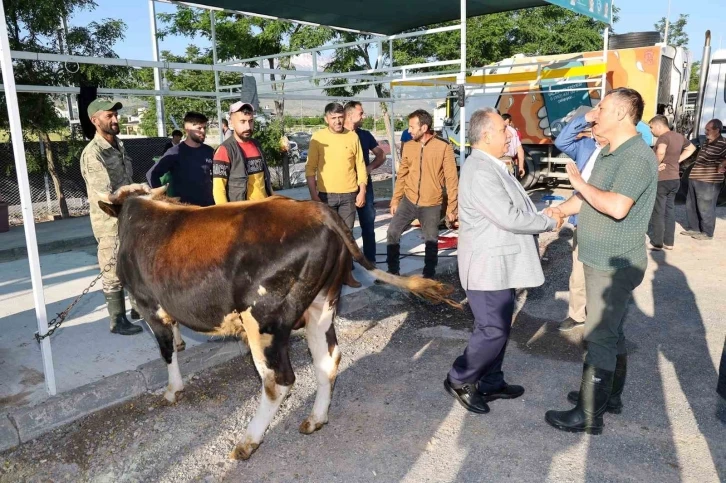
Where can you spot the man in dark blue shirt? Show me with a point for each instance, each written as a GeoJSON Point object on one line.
{"type": "Point", "coordinates": [354, 116]}
{"type": "Point", "coordinates": [190, 164]}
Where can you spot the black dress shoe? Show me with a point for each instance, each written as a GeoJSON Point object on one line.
{"type": "Point", "coordinates": [510, 391]}
{"type": "Point", "coordinates": [468, 396]}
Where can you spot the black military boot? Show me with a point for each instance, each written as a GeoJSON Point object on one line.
{"type": "Point", "coordinates": [117, 311]}
{"type": "Point", "coordinates": [586, 416]}
{"type": "Point", "coordinates": [615, 404]}
{"type": "Point", "coordinates": [431, 258]}
{"type": "Point", "coordinates": [393, 258]}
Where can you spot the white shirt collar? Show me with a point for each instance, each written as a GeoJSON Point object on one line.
{"type": "Point", "coordinates": [497, 161]}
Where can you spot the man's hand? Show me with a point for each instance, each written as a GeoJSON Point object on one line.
{"type": "Point", "coordinates": [722, 167]}
{"type": "Point", "coordinates": [521, 171]}
{"type": "Point", "coordinates": [662, 167]}
{"type": "Point", "coordinates": [590, 116]}
{"type": "Point", "coordinates": [394, 207]}
{"type": "Point", "coordinates": [315, 197]}
{"type": "Point", "coordinates": [360, 200]}
{"type": "Point", "coordinates": [575, 177]}
{"type": "Point", "coordinates": [451, 217]}
{"type": "Point", "coordinates": [368, 169]}
{"type": "Point", "coordinates": [556, 214]}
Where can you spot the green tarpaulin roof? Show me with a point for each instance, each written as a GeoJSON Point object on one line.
{"type": "Point", "coordinates": [378, 16]}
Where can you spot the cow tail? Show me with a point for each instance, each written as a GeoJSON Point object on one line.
{"type": "Point", "coordinates": [436, 292]}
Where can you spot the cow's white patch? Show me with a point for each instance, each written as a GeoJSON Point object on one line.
{"type": "Point", "coordinates": [175, 380]}
{"type": "Point", "coordinates": [325, 360]}
{"type": "Point", "coordinates": [262, 290]}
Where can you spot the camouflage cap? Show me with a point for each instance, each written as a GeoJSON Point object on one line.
{"type": "Point", "coordinates": [103, 105]}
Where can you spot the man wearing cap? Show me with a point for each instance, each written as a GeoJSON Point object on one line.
{"type": "Point", "coordinates": [106, 167]}
{"type": "Point", "coordinates": [239, 170]}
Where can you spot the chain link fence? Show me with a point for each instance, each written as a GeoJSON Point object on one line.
{"type": "Point", "coordinates": [66, 157]}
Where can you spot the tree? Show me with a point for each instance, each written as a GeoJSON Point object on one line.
{"type": "Point", "coordinates": [182, 80]}
{"type": "Point", "coordinates": [676, 30]}
{"type": "Point", "coordinates": [240, 37]}
{"type": "Point", "coordinates": [33, 26]}
{"type": "Point", "coordinates": [693, 81]}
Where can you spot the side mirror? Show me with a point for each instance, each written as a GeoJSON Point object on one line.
{"type": "Point", "coordinates": [448, 122]}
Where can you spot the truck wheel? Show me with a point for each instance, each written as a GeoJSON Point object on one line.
{"type": "Point", "coordinates": [529, 180]}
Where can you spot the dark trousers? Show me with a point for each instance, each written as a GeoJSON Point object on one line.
{"type": "Point", "coordinates": [701, 206]}
{"type": "Point", "coordinates": [429, 216]}
{"type": "Point", "coordinates": [367, 218]}
{"type": "Point", "coordinates": [343, 204]}
{"type": "Point", "coordinates": [483, 356]}
{"type": "Point", "coordinates": [608, 295]}
{"type": "Point", "coordinates": [663, 221]}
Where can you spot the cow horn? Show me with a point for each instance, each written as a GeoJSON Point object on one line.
{"type": "Point", "coordinates": [159, 191]}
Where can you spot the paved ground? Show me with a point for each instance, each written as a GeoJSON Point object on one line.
{"type": "Point", "coordinates": [391, 420]}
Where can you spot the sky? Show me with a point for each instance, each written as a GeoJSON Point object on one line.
{"type": "Point", "coordinates": [634, 16]}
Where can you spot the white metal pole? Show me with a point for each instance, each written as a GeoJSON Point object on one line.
{"type": "Point", "coordinates": [160, 124]}
{"type": "Point", "coordinates": [606, 40]}
{"type": "Point", "coordinates": [16, 133]}
{"type": "Point", "coordinates": [461, 80]}
{"type": "Point", "coordinates": [216, 74]}
{"type": "Point", "coordinates": [394, 153]}
{"type": "Point", "coordinates": [667, 24]}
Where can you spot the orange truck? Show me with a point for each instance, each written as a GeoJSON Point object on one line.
{"type": "Point", "coordinates": [543, 93]}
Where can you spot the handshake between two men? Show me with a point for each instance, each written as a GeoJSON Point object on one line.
{"type": "Point", "coordinates": [577, 182]}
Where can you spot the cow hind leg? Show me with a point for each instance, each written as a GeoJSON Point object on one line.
{"type": "Point", "coordinates": [272, 360]}
{"type": "Point", "coordinates": [164, 333]}
{"type": "Point", "coordinates": [179, 343]}
{"type": "Point", "coordinates": [323, 344]}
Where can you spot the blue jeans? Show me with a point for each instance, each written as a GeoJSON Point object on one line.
{"type": "Point", "coordinates": [367, 218]}
{"type": "Point", "coordinates": [701, 205]}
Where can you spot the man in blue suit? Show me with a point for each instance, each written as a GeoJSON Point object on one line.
{"type": "Point", "coordinates": [584, 150]}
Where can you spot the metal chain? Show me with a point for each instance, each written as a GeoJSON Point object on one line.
{"type": "Point", "coordinates": [58, 320]}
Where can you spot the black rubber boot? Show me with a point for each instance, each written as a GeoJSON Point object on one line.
{"type": "Point", "coordinates": [586, 416]}
{"type": "Point", "coordinates": [393, 258]}
{"type": "Point", "coordinates": [615, 403]}
{"type": "Point", "coordinates": [431, 258]}
{"type": "Point", "coordinates": [117, 311]}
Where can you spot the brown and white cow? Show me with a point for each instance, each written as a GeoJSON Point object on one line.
{"type": "Point", "coordinates": [255, 270]}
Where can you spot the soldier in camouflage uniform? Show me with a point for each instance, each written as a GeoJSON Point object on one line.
{"type": "Point", "coordinates": [106, 167]}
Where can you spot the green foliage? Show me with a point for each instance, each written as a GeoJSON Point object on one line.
{"type": "Point", "coordinates": [677, 35]}
{"type": "Point", "coordinates": [269, 137]}
{"type": "Point", "coordinates": [33, 26]}
{"type": "Point", "coordinates": [695, 76]}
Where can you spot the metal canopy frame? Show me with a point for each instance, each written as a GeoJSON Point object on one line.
{"type": "Point", "coordinates": [381, 75]}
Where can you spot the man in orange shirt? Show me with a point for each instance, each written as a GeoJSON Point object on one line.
{"type": "Point", "coordinates": [239, 170]}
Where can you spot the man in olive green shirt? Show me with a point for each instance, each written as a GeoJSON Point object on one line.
{"type": "Point", "coordinates": [614, 209]}
{"type": "Point", "coordinates": [106, 167]}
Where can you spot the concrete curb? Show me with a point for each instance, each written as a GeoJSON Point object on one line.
{"type": "Point", "coordinates": [49, 247]}
{"type": "Point", "coordinates": [25, 424]}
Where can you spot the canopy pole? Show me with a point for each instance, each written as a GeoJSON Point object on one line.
{"type": "Point", "coordinates": [461, 80]}
{"type": "Point", "coordinates": [216, 74]}
{"type": "Point", "coordinates": [394, 153]}
{"type": "Point", "coordinates": [604, 87]}
{"type": "Point", "coordinates": [21, 167]}
{"type": "Point", "coordinates": [160, 124]}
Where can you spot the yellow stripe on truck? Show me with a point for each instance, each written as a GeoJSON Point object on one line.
{"type": "Point", "coordinates": [563, 73]}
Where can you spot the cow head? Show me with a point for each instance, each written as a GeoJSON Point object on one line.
{"type": "Point", "coordinates": [111, 203]}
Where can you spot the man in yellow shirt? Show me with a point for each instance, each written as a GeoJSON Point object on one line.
{"type": "Point", "coordinates": [335, 170]}
{"type": "Point", "coordinates": [239, 170]}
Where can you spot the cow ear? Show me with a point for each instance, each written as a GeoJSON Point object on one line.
{"type": "Point", "coordinates": [109, 209]}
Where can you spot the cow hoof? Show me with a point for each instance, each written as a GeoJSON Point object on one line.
{"type": "Point", "coordinates": [309, 426]}
{"type": "Point", "coordinates": [181, 346]}
{"type": "Point", "coordinates": [243, 451]}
